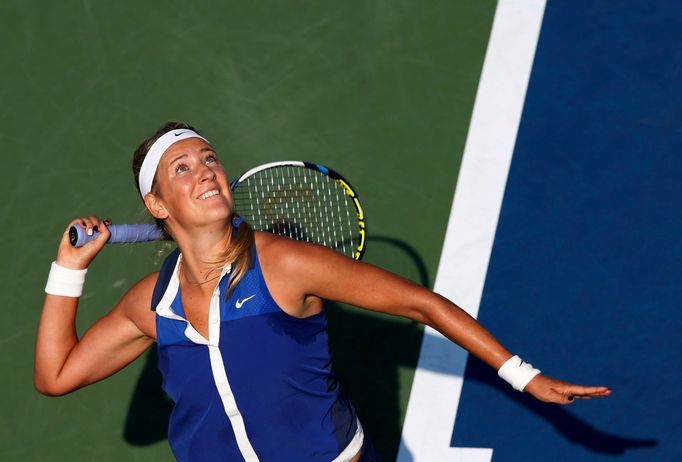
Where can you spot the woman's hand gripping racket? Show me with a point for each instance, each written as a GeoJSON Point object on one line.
{"type": "Point", "coordinates": [299, 200]}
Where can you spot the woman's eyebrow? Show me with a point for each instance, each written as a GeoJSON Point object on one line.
{"type": "Point", "coordinates": [179, 156]}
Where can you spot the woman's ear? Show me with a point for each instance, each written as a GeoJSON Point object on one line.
{"type": "Point", "coordinates": [155, 206]}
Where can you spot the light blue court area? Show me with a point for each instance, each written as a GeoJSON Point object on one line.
{"type": "Point", "coordinates": [585, 279]}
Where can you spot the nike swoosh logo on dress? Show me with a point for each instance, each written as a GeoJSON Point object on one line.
{"type": "Point", "coordinates": [238, 304]}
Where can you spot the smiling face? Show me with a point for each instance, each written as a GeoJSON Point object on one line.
{"type": "Point", "coordinates": [191, 188]}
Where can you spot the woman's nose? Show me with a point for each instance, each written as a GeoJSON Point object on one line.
{"type": "Point", "coordinates": [206, 173]}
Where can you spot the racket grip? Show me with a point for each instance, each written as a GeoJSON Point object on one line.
{"type": "Point", "coordinates": [120, 234]}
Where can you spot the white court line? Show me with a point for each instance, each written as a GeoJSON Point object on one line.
{"type": "Point", "coordinates": [437, 384]}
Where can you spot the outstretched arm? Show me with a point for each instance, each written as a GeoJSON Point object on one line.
{"type": "Point", "coordinates": [63, 362]}
{"type": "Point", "coordinates": [329, 275]}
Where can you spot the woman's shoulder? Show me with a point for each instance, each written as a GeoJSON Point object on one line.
{"type": "Point", "coordinates": [285, 263]}
{"type": "Point", "coordinates": [272, 249]}
{"type": "Point", "coordinates": [285, 254]}
{"type": "Point", "coordinates": [283, 250]}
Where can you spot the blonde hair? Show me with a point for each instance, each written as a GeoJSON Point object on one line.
{"type": "Point", "coordinates": [237, 252]}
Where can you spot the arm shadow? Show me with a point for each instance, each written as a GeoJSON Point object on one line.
{"type": "Point", "coordinates": [369, 352]}
{"type": "Point", "coordinates": [572, 428]}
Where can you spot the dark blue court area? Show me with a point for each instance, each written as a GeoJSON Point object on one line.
{"type": "Point", "coordinates": [585, 279]}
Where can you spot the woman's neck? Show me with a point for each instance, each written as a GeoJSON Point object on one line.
{"type": "Point", "coordinates": [201, 248]}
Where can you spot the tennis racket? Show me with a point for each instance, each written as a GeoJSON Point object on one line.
{"type": "Point", "coordinates": [300, 200]}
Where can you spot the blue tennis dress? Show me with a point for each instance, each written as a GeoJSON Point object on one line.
{"type": "Point", "coordinates": [260, 388]}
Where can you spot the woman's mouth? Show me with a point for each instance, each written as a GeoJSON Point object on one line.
{"type": "Point", "coordinates": [207, 194]}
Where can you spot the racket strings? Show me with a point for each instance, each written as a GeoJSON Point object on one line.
{"type": "Point", "coordinates": [299, 203]}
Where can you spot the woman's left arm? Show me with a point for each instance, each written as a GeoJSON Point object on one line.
{"type": "Point", "coordinates": [329, 275]}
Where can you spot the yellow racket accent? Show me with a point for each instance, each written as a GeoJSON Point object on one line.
{"type": "Point", "coordinates": [360, 213]}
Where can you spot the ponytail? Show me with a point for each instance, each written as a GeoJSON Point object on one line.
{"type": "Point", "coordinates": [238, 253]}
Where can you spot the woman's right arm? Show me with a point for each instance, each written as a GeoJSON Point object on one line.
{"type": "Point", "coordinates": [63, 362]}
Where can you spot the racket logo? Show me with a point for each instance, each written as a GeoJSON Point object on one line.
{"type": "Point", "coordinates": [239, 303]}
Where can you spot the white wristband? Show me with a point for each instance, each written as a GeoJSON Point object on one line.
{"type": "Point", "coordinates": [517, 372]}
{"type": "Point", "coordinates": [65, 281]}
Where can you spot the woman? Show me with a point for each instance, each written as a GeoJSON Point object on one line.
{"type": "Point", "coordinates": [239, 322]}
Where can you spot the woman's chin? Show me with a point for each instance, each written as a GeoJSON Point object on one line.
{"type": "Point", "coordinates": [217, 213]}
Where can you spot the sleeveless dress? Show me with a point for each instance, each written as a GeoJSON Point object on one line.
{"type": "Point", "coordinates": [260, 387]}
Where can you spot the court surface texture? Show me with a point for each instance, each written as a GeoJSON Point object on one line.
{"type": "Point", "coordinates": [581, 276]}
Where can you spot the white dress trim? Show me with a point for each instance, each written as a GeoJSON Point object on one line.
{"type": "Point", "coordinates": [216, 358]}
{"type": "Point", "coordinates": [353, 447]}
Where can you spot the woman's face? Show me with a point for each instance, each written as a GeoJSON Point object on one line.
{"type": "Point", "coordinates": [192, 184]}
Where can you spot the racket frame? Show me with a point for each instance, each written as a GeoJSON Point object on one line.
{"type": "Point", "coordinates": [333, 174]}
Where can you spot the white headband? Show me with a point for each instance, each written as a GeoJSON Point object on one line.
{"type": "Point", "coordinates": [153, 157]}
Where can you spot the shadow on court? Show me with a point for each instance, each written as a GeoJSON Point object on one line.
{"type": "Point", "coordinates": [369, 350]}
{"type": "Point", "coordinates": [150, 408]}
{"type": "Point", "coordinates": [573, 428]}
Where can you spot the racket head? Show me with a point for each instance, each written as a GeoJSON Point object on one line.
{"type": "Point", "coordinates": [303, 201]}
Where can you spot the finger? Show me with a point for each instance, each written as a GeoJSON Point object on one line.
{"type": "Point", "coordinates": [76, 221]}
{"type": "Point", "coordinates": [104, 233]}
{"type": "Point", "coordinates": [593, 391]}
{"type": "Point", "coordinates": [100, 233]}
{"type": "Point", "coordinates": [87, 225]}
{"type": "Point", "coordinates": [95, 222]}
{"type": "Point", "coordinates": [583, 392]}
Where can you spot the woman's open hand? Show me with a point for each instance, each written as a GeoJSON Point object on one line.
{"type": "Point", "coordinates": [556, 391]}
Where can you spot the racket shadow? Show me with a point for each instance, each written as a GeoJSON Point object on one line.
{"type": "Point", "coordinates": [369, 352]}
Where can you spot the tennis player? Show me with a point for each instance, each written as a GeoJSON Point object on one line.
{"type": "Point", "coordinates": [239, 322]}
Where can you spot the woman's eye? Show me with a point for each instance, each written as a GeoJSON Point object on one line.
{"type": "Point", "coordinates": [181, 168]}
{"type": "Point", "coordinates": [211, 159]}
